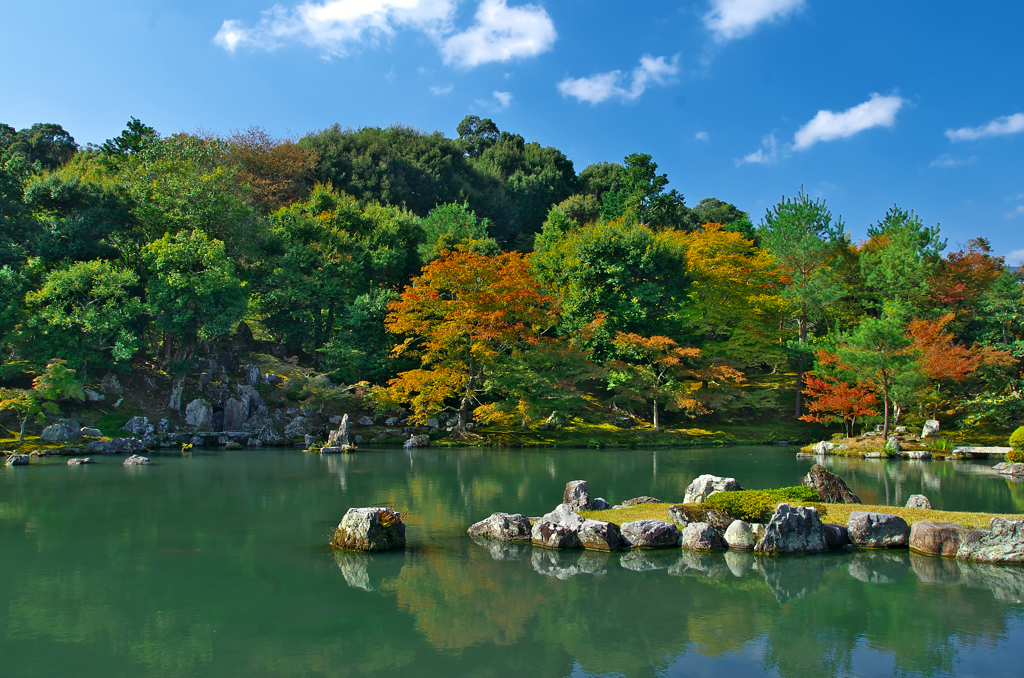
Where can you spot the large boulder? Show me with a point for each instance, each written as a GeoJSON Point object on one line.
{"type": "Point", "coordinates": [502, 526]}
{"type": "Point", "coordinates": [61, 430]}
{"type": "Point", "coordinates": [16, 460]}
{"type": "Point", "coordinates": [739, 536]}
{"type": "Point", "coordinates": [577, 495]}
{"type": "Point", "coordinates": [199, 415]}
{"type": "Point", "coordinates": [650, 534]}
{"type": "Point", "coordinates": [836, 536]}
{"type": "Point", "coordinates": [700, 537]}
{"type": "Point", "coordinates": [370, 529]}
{"type": "Point", "coordinates": [706, 485]}
{"type": "Point", "coordinates": [830, 488]}
{"type": "Point", "coordinates": [930, 428]}
{"type": "Point", "coordinates": [878, 530]}
{"type": "Point", "coordinates": [422, 440]}
{"type": "Point", "coordinates": [558, 529]}
{"type": "Point", "coordinates": [1003, 544]}
{"type": "Point", "coordinates": [936, 539]}
{"type": "Point", "coordinates": [341, 438]}
{"type": "Point", "coordinates": [919, 501]}
{"type": "Point", "coordinates": [90, 432]}
{"type": "Point", "coordinates": [598, 535]}
{"type": "Point", "coordinates": [793, 529]}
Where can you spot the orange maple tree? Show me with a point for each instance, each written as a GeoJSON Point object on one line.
{"type": "Point", "coordinates": [834, 400]}
{"type": "Point", "coordinates": [964, 275]}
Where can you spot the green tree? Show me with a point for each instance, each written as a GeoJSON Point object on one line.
{"type": "Point", "coordinates": [136, 138]}
{"type": "Point", "coordinates": [642, 193]}
{"type": "Point", "coordinates": [23, 403]}
{"type": "Point", "coordinates": [48, 144]}
{"type": "Point", "coordinates": [16, 222]}
{"type": "Point", "coordinates": [477, 134]}
{"type": "Point", "coordinates": [448, 226]}
{"type": "Point", "coordinates": [901, 257]}
{"type": "Point", "coordinates": [733, 219]}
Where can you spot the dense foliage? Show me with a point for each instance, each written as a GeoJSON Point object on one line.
{"type": "Point", "coordinates": [483, 275]}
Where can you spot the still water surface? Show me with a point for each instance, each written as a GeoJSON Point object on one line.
{"type": "Point", "coordinates": [215, 565]}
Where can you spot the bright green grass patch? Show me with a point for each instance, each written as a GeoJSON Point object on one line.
{"type": "Point", "coordinates": [757, 506]}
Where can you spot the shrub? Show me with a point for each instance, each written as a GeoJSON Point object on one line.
{"type": "Point", "coordinates": [757, 506]}
{"type": "Point", "coordinates": [1017, 439]}
{"type": "Point", "coordinates": [1014, 457]}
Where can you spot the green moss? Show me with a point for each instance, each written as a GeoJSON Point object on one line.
{"type": "Point", "coordinates": [1017, 439]}
{"type": "Point", "coordinates": [111, 423]}
{"type": "Point", "coordinates": [757, 506]}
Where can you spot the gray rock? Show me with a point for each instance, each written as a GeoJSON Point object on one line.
{"type": "Point", "coordinates": [503, 527]}
{"type": "Point", "coordinates": [598, 535]}
{"type": "Point", "coordinates": [793, 529]}
{"type": "Point", "coordinates": [299, 427]}
{"type": "Point", "coordinates": [707, 485]}
{"type": "Point", "coordinates": [90, 432]}
{"type": "Point", "coordinates": [552, 535]}
{"type": "Point", "coordinates": [136, 460]}
{"type": "Point", "coordinates": [577, 495]}
{"type": "Point", "coordinates": [139, 426]}
{"type": "Point", "coordinates": [600, 504]}
{"type": "Point", "coordinates": [700, 537]}
{"type": "Point", "coordinates": [738, 536]}
{"type": "Point", "coordinates": [177, 391]}
{"type": "Point", "coordinates": [836, 536]}
{"type": "Point", "coordinates": [235, 414]}
{"type": "Point", "coordinates": [893, 443]}
{"type": "Point", "coordinates": [197, 441]}
{"type": "Point", "coordinates": [822, 448]}
{"type": "Point", "coordinates": [936, 539]}
{"type": "Point", "coordinates": [917, 454]}
{"type": "Point", "coordinates": [650, 534]}
{"type": "Point", "coordinates": [251, 374]}
{"type": "Point", "coordinates": [563, 514]}
{"type": "Point", "coordinates": [111, 385]}
{"type": "Point", "coordinates": [830, 488]}
{"type": "Point", "coordinates": [1003, 544]}
{"type": "Point", "coordinates": [417, 441]}
{"type": "Point", "coordinates": [93, 396]}
{"type": "Point", "coordinates": [1014, 469]}
{"type": "Point", "coordinates": [391, 421]}
{"type": "Point", "coordinates": [644, 499]}
{"type": "Point", "coordinates": [308, 440]}
{"type": "Point", "coordinates": [365, 421]}
{"type": "Point", "coordinates": [254, 442]}
{"type": "Point", "coordinates": [878, 530]}
{"type": "Point", "coordinates": [931, 428]}
{"type": "Point", "coordinates": [199, 414]}
{"type": "Point", "coordinates": [678, 516]}
{"type": "Point", "coordinates": [919, 501]}
{"type": "Point", "coordinates": [432, 422]}
{"type": "Point", "coordinates": [17, 460]}
{"type": "Point", "coordinates": [78, 461]}
{"type": "Point", "coordinates": [268, 435]}
{"type": "Point", "coordinates": [370, 529]}
{"type": "Point", "coordinates": [60, 430]}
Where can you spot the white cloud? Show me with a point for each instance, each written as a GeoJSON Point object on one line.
{"type": "Point", "coordinates": [702, 136]}
{"type": "Point", "coordinates": [1016, 213]}
{"type": "Point", "coordinates": [730, 19]}
{"type": "Point", "coordinates": [947, 160]}
{"type": "Point", "coordinates": [1015, 258]}
{"type": "Point", "coordinates": [1007, 124]}
{"type": "Point", "coordinates": [878, 111]}
{"type": "Point", "coordinates": [501, 33]}
{"type": "Point", "coordinates": [766, 155]}
{"type": "Point", "coordinates": [504, 98]}
{"type": "Point", "coordinates": [336, 27]}
{"type": "Point", "coordinates": [441, 91]}
{"type": "Point", "coordinates": [603, 86]}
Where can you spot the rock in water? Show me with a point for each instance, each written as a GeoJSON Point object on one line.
{"type": "Point", "coordinates": [836, 536]}
{"type": "Point", "coordinates": [930, 428]}
{"type": "Point", "coordinates": [706, 485]}
{"type": "Point", "coordinates": [1004, 544]}
{"type": "Point", "coordinates": [830, 488]}
{"type": "Point", "coordinates": [417, 441]}
{"type": "Point", "coordinates": [78, 461]}
{"type": "Point", "coordinates": [793, 529]}
{"type": "Point", "coordinates": [738, 536]}
{"type": "Point", "coordinates": [62, 429]}
{"type": "Point", "coordinates": [650, 534]}
{"type": "Point", "coordinates": [577, 495]}
{"type": "Point", "coordinates": [700, 537]}
{"type": "Point", "coordinates": [919, 501]}
{"type": "Point", "coordinates": [878, 530]}
{"type": "Point", "coordinates": [17, 460]}
{"type": "Point", "coordinates": [136, 460]}
{"type": "Point", "coordinates": [199, 414]}
{"type": "Point", "coordinates": [558, 529]}
{"type": "Point", "coordinates": [502, 526]}
{"type": "Point", "coordinates": [936, 539]}
{"type": "Point", "coordinates": [598, 535]}
{"type": "Point", "coordinates": [370, 529]}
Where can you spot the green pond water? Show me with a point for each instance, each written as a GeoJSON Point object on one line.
{"type": "Point", "coordinates": [215, 564]}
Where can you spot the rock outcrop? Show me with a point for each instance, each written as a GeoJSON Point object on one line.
{"type": "Point", "coordinates": [370, 529]}
{"type": "Point", "coordinates": [577, 495]}
{"type": "Point", "coordinates": [919, 501]}
{"type": "Point", "coordinates": [649, 534]}
{"type": "Point", "coordinates": [793, 529]}
{"type": "Point", "coordinates": [878, 530]}
{"type": "Point", "coordinates": [503, 527]}
{"type": "Point", "coordinates": [1003, 544]}
{"type": "Point", "coordinates": [830, 488]}
{"type": "Point", "coordinates": [936, 539]}
{"type": "Point", "coordinates": [706, 485]}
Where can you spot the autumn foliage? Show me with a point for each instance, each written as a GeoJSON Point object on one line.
{"type": "Point", "coordinates": [832, 400]}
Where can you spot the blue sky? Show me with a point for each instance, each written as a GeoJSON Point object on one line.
{"type": "Point", "coordinates": [866, 104]}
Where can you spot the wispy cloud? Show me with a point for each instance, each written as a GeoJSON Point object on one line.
{"type": "Point", "coordinates": [504, 98]}
{"type": "Point", "coordinates": [702, 136]}
{"type": "Point", "coordinates": [878, 111]}
{"type": "Point", "coordinates": [731, 19]}
{"type": "Point", "coordinates": [1001, 126]}
{"type": "Point", "coordinates": [766, 155]}
{"type": "Point", "coordinates": [501, 101]}
{"type": "Point", "coordinates": [603, 86]}
{"type": "Point", "coordinates": [1015, 258]}
{"type": "Point", "coordinates": [441, 91]}
{"type": "Point", "coordinates": [336, 27]}
{"type": "Point", "coordinates": [1015, 213]}
{"type": "Point", "coordinates": [947, 160]}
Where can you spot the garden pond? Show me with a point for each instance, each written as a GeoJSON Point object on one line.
{"type": "Point", "coordinates": [215, 564]}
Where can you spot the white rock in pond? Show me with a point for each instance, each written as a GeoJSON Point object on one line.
{"type": "Point", "coordinates": [930, 428]}
{"type": "Point", "coordinates": [78, 461]}
{"type": "Point", "coordinates": [704, 486]}
{"type": "Point", "coordinates": [370, 529]}
{"type": "Point", "coordinates": [598, 535]}
{"type": "Point", "coordinates": [136, 460]}
{"type": "Point", "coordinates": [919, 501]}
{"type": "Point", "coordinates": [739, 536]}
{"type": "Point", "coordinates": [502, 526]}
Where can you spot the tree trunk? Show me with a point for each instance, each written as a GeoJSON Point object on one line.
{"type": "Point", "coordinates": [657, 423]}
{"type": "Point", "coordinates": [800, 363]}
{"type": "Point", "coordinates": [885, 408]}
{"type": "Point", "coordinates": [21, 436]}
{"type": "Point", "coordinates": [467, 399]}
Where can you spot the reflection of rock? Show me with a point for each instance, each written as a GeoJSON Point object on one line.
{"type": "Point", "coordinates": [936, 539]}
{"type": "Point", "coordinates": [933, 570]}
{"type": "Point", "coordinates": [577, 495]}
{"type": "Point", "coordinates": [592, 562]}
{"type": "Point", "coordinates": [646, 560]}
{"type": "Point", "coordinates": [1004, 544]}
{"type": "Point", "coordinates": [370, 529]}
{"type": "Point", "coordinates": [919, 501]}
{"type": "Point", "coordinates": [793, 578]}
{"type": "Point", "coordinates": [368, 571]}
{"type": "Point", "coordinates": [699, 564]}
{"type": "Point", "coordinates": [877, 530]}
{"type": "Point", "coordinates": [879, 567]}
{"type": "Point", "coordinates": [793, 529]}
{"type": "Point", "coordinates": [1006, 583]}
{"type": "Point", "coordinates": [704, 486]}
{"type": "Point", "coordinates": [650, 534]}
{"type": "Point", "coordinates": [597, 535]}
{"type": "Point", "coordinates": [502, 550]}
{"type": "Point", "coordinates": [830, 488]}
{"type": "Point", "coordinates": [557, 564]}
{"type": "Point", "coordinates": [739, 562]}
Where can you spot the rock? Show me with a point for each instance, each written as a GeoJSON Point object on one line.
{"type": "Point", "coordinates": [78, 461]}
{"type": "Point", "coordinates": [62, 429]}
{"type": "Point", "coordinates": [706, 485]}
{"type": "Point", "coordinates": [199, 415]}
{"type": "Point", "coordinates": [308, 440]}
{"type": "Point", "coordinates": [93, 396]}
{"type": "Point", "coordinates": [564, 515]}
{"type": "Point", "coordinates": [197, 441]}
{"type": "Point", "coordinates": [111, 385]}
{"type": "Point", "coordinates": [919, 501]}
{"type": "Point", "coordinates": [502, 526]}
{"type": "Point", "coordinates": [235, 414]}
{"type": "Point", "coordinates": [917, 454]}
{"type": "Point", "coordinates": [836, 536]}
{"type": "Point", "coordinates": [936, 539]}
{"type": "Point", "coordinates": [391, 421]}
{"type": "Point", "coordinates": [90, 432]}
{"type": "Point", "coordinates": [577, 495]}
{"type": "Point", "coordinates": [365, 421]}
{"type": "Point", "coordinates": [1014, 469]}
{"type": "Point", "coordinates": [739, 536]}
{"type": "Point", "coordinates": [299, 427]}
{"type": "Point", "coordinates": [251, 374]}
{"type": "Point", "coordinates": [430, 423]}
{"type": "Point", "coordinates": [600, 504]}
{"type": "Point", "coordinates": [830, 488]}
{"type": "Point", "coordinates": [650, 534]}
{"type": "Point", "coordinates": [17, 460]}
{"type": "Point", "coordinates": [370, 529]}
{"type": "Point", "coordinates": [894, 444]}
{"type": "Point", "coordinates": [822, 448]}
{"type": "Point", "coordinates": [254, 442]}
{"type": "Point", "coordinates": [1003, 544]}
{"type": "Point", "coordinates": [678, 515]}
{"type": "Point", "coordinates": [636, 501]}
{"type": "Point", "coordinates": [136, 460]}
{"type": "Point", "coordinates": [700, 537]}
{"type": "Point", "coordinates": [417, 441]}
{"type": "Point", "coordinates": [793, 529]}
{"type": "Point", "coordinates": [232, 446]}
{"type": "Point", "coordinates": [139, 426]}
{"type": "Point", "coordinates": [878, 530]}
{"type": "Point", "coordinates": [554, 536]}
{"type": "Point", "coordinates": [931, 428]}
{"type": "Point", "coordinates": [268, 435]}
{"type": "Point", "coordinates": [872, 455]}
{"type": "Point", "coordinates": [598, 535]}
{"type": "Point", "coordinates": [719, 520]}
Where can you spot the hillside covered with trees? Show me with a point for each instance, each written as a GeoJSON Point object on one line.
{"type": "Point", "coordinates": [484, 277]}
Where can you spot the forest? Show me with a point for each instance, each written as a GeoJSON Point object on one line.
{"type": "Point", "coordinates": [484, 276]}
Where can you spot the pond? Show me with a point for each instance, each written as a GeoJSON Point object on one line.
{"type": "Point", "coordinates": [215, 564]}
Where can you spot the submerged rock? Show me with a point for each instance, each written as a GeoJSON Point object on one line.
{"type": "Point", "coordinates": [830, 488]}
{"type": "Point", "coordinates": [370, 529]}
{"type": "Point", "coordinates": [650, 534]}
{"type": "Point", "coordinates": [503, 527]}
{"type": "Point", "coordinates": [793, 529]}
{"type": "Point", "coordinates": [878, 530]}
{"type": "Point", "coordinates": [577, 495]}
{"type": "Point", "coordinates": [700, 537]}
{"type": "Point", "coordinates": [919, 501]}
{"type": "Point", "coordinates": [1003, 544]}
{"type": "Point", "coordinates": [936, 539]}
{"type": "Point", "coordinates": [707, 485]}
